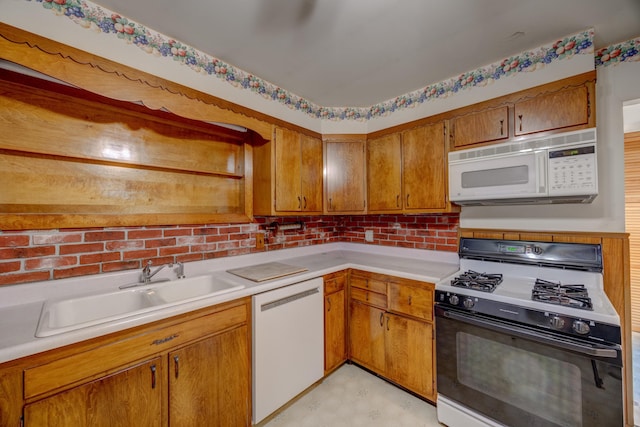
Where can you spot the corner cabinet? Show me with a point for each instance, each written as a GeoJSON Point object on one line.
{"type": "Point", "coordinates": [335, 321]}
{"type": "Point", "coordinates": [391, 330]}
{"type": "Point", "coordinates": [288, 174]}
{"type": "Point", "coordinates": [406, 171]}
{"type": "Point", "coordinates": [194, 369]}
{"type": "Point", "coordinates": [564, 105]}
{"type": "Point", "coordinates": [344, 161]}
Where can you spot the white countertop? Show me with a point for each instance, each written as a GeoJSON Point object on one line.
{"type": "Point", "coordinates": [20, 305]}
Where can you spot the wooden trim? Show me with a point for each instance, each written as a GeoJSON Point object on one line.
{"type": "Point", "coordinates": [120, 82]}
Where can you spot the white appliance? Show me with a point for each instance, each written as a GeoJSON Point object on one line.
{"type": "Point", "coordinates": [557, 169]}
{"type": "Point", "coordinates": [288, 344]}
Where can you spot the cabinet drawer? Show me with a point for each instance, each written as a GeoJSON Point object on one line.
{"type": "Point", "coordinates": [412, 299]}
{"type": "Point", "coordinates": [368, 283]}
{"type": "Point", "coordinates": [104, 359]}
{"type": "Point", "coordinates": [371, 298]}
{"type": "Point", "coordinates": [334, 282]}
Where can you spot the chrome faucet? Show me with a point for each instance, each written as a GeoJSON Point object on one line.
{"type": "Point", "coordinates": [179, 270]}
{"type": "Point", "coordinates": [147, 274]}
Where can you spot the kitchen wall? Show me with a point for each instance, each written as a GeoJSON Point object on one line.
{"type": "Point", "coordinates": [28, 256]}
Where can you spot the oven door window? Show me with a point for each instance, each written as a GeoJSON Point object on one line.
{"type": "Point", "coordinates": [522, 382]}
{"type": "Point", "coordinates": [526, 380]}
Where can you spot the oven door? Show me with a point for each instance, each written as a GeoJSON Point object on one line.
{"type": "Point", "coordinates": [520, 376]}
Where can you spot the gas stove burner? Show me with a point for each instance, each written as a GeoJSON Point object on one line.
{"type": "Point", "coordinates": [555, 293]}
{"type": "Point", "coordinates": [478, 281]}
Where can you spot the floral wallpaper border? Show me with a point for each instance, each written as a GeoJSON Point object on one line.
{"type": "Point", "coordinates": [94, 17]}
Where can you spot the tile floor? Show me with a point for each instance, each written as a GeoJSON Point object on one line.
{"type": "Point", "coordinates": [352, 397]}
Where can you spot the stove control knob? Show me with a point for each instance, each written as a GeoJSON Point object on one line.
{"type": "Point", "coordinates": [556, 322]}
{"type": "Point", "coordinates": [581, 327]}
{"type": "Point", "coordinates": [454, 300]}
{"type": "Point", "coordinates": [468, 303]}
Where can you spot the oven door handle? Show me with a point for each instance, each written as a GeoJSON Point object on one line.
{"type": "Point", "coordinates": [533, 335]}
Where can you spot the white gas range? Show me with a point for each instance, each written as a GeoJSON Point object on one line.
{"type": "Point", "coordinates": [524, 330]}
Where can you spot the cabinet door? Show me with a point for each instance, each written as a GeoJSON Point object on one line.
{"type": "Point", "coordinates": [423, 167]}
{"type": "Point", "coordinates": [335, 346]}
{"type": "Point", "coordinates": [209, 382]}
{"type": "Point", "coordinates": [345, 178]}
{"type": "Point", "coordinates": [409, 348]}
{"type": "Point", "coordinates": [311, 173]}
{"type": "Point", "coordinates": [482, 126]}
{"type": "Point", "coordinates": [132, 397]}
{"type": "Point", "coordinates": [366, 336]}
{"type": "Point", "coordinates": [288, 166]}
{"type": "Point", "coordinates": [384, 173]}
{"type": "Point", "coordinates": [566, 108]}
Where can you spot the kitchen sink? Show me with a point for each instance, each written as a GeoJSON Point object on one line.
{"type": "Point", "coordinates": [192, 288]}
{"type": "Point", "coordinates": [69, 314]}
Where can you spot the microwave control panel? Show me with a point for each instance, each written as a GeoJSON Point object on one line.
{"type": "Point", "coordinates": [573, 170]}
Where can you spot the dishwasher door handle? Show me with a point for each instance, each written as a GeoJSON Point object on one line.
{"type": "Point", "coordinates": [290, 298]}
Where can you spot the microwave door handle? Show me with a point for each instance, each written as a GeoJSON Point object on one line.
{"type": "Point", "coordinates": [541, 176]}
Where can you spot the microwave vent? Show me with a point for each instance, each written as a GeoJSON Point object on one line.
{"type": "Point", "coordinates": [582, 136]}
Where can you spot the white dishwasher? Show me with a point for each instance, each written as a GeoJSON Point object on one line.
{"type": "Point", "coordinates": [288, 344]}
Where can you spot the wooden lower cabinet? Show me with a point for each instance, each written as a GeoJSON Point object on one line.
{"type": "Point", "coordinates": [394, 336]}
{"type": "Point", "coordinates": [409, 350]}
{"type": "Point", "coordinates": [192, 369]}
{"type": "Point", "coordinates": [366, 336]}
{"type": "Point", "coordinates": [127, 398]}
{"type": "Point", "coordinates": [209, 380]}
{"type": "Point", "coordinates": [335, 321]}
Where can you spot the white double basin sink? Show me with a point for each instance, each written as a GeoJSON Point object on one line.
{"type": "Point", "coordinates": [69, 314]}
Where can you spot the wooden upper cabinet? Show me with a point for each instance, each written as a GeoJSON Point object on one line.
{"type": "Point", "coordinates": [311, 173]}
{"type": "Point", "coordinates": [345, 175]}
{"type": "Point", "coordinates": [384, 173]}
{"type": "Point", "coordinates": [482, 126]}
{"type": "Point", "coordinates": [288, 174]}
{"type": "Point", "coordinates": [406, 171]}
{"type": "Point", "coordinates": [565, 108]}
{"type": "Point", "coordinates": [560, 106]}
{"type": "Point", "coordinates": [424, 168]}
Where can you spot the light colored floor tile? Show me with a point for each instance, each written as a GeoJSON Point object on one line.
{"type": "Point", "coordinates": [352, 397]}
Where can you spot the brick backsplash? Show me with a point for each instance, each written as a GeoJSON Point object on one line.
{"type": "Point", "coordinates": [34, 255]}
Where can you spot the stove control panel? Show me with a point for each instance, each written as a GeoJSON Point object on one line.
{"type": "Point", "coordinates": [567, 325]}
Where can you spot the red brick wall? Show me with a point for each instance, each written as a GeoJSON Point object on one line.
{"type": "Point", "coordinates": [27, 256]}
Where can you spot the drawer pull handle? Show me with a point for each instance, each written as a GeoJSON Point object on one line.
{"type": "Point", "coordinates": [388, 320]}
{"type": "Point", "coordinates": [305, 202]}
{"type": "Point", "coordinates": [409, 300]}
{"type": "Point", "coordinates": [164, 340]}
{"type": "Point", "coordinates": [501, 127]}
{"type": "Point", "coordinates": [382, 319]}
{"type": "Point", "coordinates": [328, 304]}
{"type": "Point", "coordinates": [299, 202]}
{"type": "Point", "coordinates": [176, 365]}
{"type": "Point", "coordinates": [153, 376]}
{"type": "Point", "coordinates": [398, 201]}
{"type": "Point", "coordinates": [408, 200]}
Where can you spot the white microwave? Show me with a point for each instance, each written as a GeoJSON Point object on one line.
{"type": "Point", "coordinates": [557, 169]}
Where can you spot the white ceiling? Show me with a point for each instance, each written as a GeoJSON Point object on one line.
{"type": "Point", "coordinates": [356, 53]}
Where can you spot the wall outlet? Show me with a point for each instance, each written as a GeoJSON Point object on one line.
{"type": "Point", "coordinates": [368, 235]}
{"type": "Point", "coordinates": [259, 240]}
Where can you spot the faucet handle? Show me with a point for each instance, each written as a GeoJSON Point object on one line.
{"type": "Point", "coordinates": [179, 270]}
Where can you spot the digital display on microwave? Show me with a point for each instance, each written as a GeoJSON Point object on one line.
{"type": "Point", "coordinates": [572, 152]}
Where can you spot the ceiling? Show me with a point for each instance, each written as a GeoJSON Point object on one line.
{"type": "Point", "coordinates": [356, 53]}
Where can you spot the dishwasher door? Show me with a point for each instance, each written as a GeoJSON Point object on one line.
{"type": "Point", "coordinates": [288, 344]}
